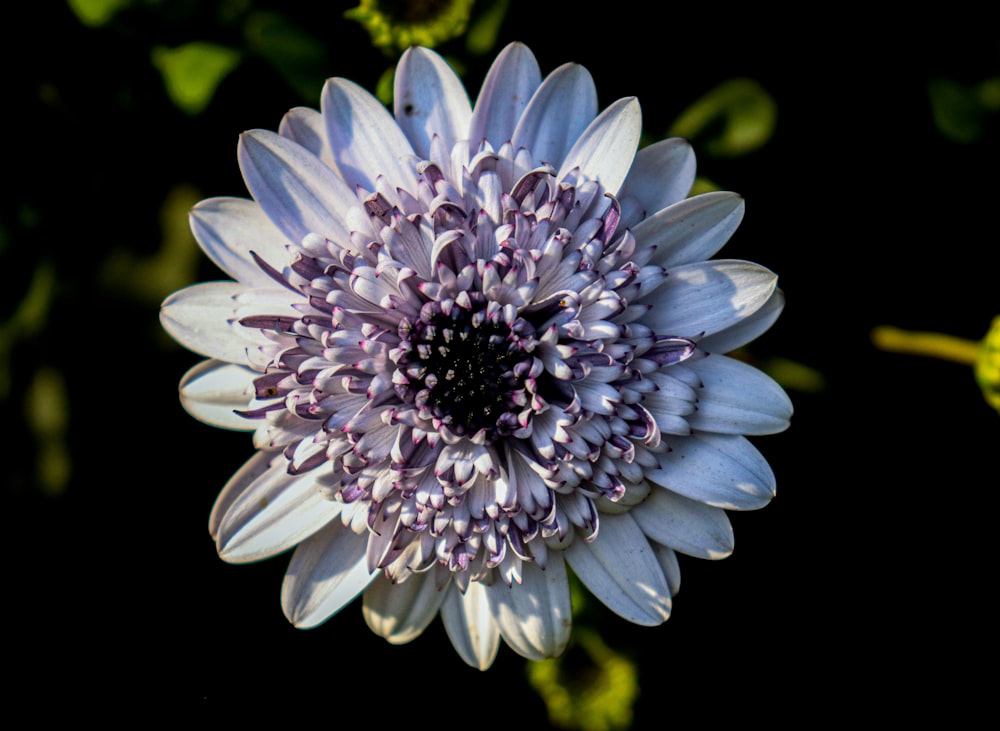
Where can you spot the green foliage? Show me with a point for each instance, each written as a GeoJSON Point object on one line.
{"type": "Point", "coordinates": [987, 365]}
{"type": "Point", "coordinates": [174, 265]}
{"type": "Point", "coordinates": [297, 55]}
{"type": "Point", "coordinates": [960, 111]}
{"type": "Point", "coordinates": [28, 320]}
{"type": "Point", "coordinates": [590, 688]}
{"type": "Point", "coordinates": [394, 26]}
{"type": "Point", "coordinates": [192, 72]}
{"type": "Point", "coordinates": [384, 88]}
{"type": "Point", "coordinates": [46, 412]}
{"type": "Point", "coordinates": [793, 375]}
{"type": "Point", "coordinates": [485, 28]}
{"type": "Point", "coordinates": [983, 356]}
{"type": "Point", "coordinates": [733, 119]}
{"type": "Point", "coordinates": [95, 13]}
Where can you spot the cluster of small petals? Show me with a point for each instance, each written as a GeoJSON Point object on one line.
{"type": "Point", "coordinates": [486, 350]}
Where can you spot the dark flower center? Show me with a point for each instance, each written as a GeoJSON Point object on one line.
{"type": "Point", "coordinates": [466, 366]}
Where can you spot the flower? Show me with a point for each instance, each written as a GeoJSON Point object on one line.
{"type": "Point", "coordinates": [472, 344]}
{"type": "Point", "coordinates": [393, 26]}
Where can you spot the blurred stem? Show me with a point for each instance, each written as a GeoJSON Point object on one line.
{"type": "Point", "coordinates": [935, 345]}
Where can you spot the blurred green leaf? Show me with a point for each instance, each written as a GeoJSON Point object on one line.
{"type": "Point", "coordinates": [959, 111]}
{"type": "Point", "coordinates": [734, 118]}
{"type": "Point", "coordinates": [31, 314]}
{"type": "Point", "coordinates": [94, 13]}
{"type": "Point", "coordinates": [703, 185]}
{"type": "Point", "coordinates": [192, 72]}
{"type": "Point", "coordinates": [591, 687]}
{"type": "Point", "coordinates": [46, 406]}
{"type": "Point", "coordinates": [384, 88]}
{"type": "Point", "coordinates": [955, 110]}
{"type": "Point", "coordinates": [149, 279]}
{"type": "Point", "coordinates": [28, 319]}
{"type": "Point", "coordinates": [484, 29]}
{"type": "Point", "coordinates": [297, 55]}
{"type": "Point", "coordinates": [794, 375]}
{"type": "Point", "coordinates": [988, 93]}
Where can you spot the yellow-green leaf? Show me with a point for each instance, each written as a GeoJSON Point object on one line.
{"type": "Point", "coordinates": [734, 118]}
{"type": "Point", "coordinates": [94, 13]}
{"type": "Point", "coordinates": [193, 71]}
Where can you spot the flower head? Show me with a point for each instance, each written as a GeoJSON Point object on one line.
{"type": "Point", "coordinates": [393, 26]}
{"type": "Point", "coordinates": [472, 343]}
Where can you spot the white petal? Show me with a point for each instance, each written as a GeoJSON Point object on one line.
{"type": "Point", "coordinates": [275, 512]}
{"type": "Point", "coordinates": [722, 470]}
{"type": "Point", "coordinates": [621, 570]}
{"type": "Point", "coordinates": [560, 109]}
{"type": "Point", "coordinates": [535, 616]}
{"type": "Point", "coordinates": [685, 525]}
{"type": "Point", "coordinates": [306, 127]}
{"type": "Point", "coordinates": [746, 330]}
{"type": "Point", "coordinates": [365, 139]}
{"type": "Point", "coordinates": [228, 229]}
{"type": "Point", "coordinates": [297, 191]}
{"type": "Point", "coordinates": [253, 468]}
{"type": "Point", "coordinates": [692, 230]}
{"type": "Point", "coordinates": [326, 573]}
{"type": "Point", "coordinates": [670, 565]}
{"type": "Point", "coordinates": [412, 244]}
{"type": "Point", "coordinates": [429, 99]}
{"type": "Point", "coordinates": [401, 612]}
{"type": "Point", "coordinates": [670, 404]}
{"type": "Point", "coordinates": [203, 318]}
{"type": "Point", "coordinates": [597, 398]}
{"type": "Point", "coordinates": [505, 94]}
{"type": "Point", "coordinates": [470, 626]}
{"type": "Point", "coordinates": [738, 399]}
{"type": "Point", "coordinates": [661, 175]}
{"type": "Point", "coordinates": [213, 390]}
{"type": "Point", "coordinates": [606, 148]}
{"type": "Point", "coordinates": [708, 297]}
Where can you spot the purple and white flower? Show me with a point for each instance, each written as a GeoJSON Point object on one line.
{"type": "Point", "coordinates": [478, 346]}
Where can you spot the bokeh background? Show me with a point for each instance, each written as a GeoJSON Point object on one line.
{"type": "Point", "coordinates": [867, 150]}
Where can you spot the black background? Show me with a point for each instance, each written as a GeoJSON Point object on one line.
{"type": "Point", "coordinates": [862, 591]}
